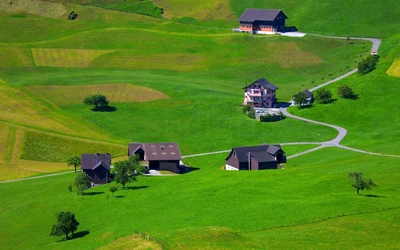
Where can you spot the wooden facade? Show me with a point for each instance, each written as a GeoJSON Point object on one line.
{"type": "Point", "coordinates": [97, 166]}
{"type": "Point", "coordinates": [262, 21]}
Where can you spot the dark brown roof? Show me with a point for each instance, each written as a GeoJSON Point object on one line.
{"type": "Point", "coordinates": [168, 151]}
{"type": "Point", "coordinates": [307, 93]}
{"type": "Point", "coordinates": [93, 161]}
{"type": "Point", "coordinates": [251, 15]}
{"type": "Point", "coordinates": [265, 83]}
{"type": "Point", "coordinates": [262, 153]}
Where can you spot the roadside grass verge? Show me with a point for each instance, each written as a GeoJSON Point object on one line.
{"type": "Point", "coordinates": [43, 147]}
{"type": "Point", "coordinates": [67, 95]}
{"type": "Point", "coordinates": [311, 188]}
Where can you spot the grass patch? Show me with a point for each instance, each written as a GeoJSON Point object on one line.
{"type": "Point", "coordinates": [394, 69]}
{"type": "Point", "coordinates": [43, 147]}
{"type": "Point", "coordinates": [11, 57]}
{"type": "Point", "coordinates": [67, 95]}
{"type": "Point", "coordinates": [131, 242]}
{"type": "Point", "coordinates": [69, 58]}
{"type": "Point", "coordinates": [9, 143]}
{"type": "Point", "coordinates": [38, 7]}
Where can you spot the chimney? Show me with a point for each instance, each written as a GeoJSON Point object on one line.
{"type": "Point", "coordinates": [249, 160]}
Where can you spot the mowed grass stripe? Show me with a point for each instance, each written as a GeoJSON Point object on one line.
{"type": "Point", "coordinates": [37, 7]}
{"type": "Point", "coordinates": [9, 144]}
{"type": "Point", "coordinates": [19, 140]}
{"type": "Point", "coordinates": [394, 69]}
{"type": "Point", "coordinates": [67, 95]}
{"type": "Point", "coordinates": [11, 57]}
{"type": "Point", "coordinates": [68, 58]}
{"type": "Point", "coordinates": [3, 141]}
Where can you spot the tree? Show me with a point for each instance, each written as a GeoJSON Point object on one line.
{"type": "Point", "coordinates": [113, 189]}
{"type": "Point", "coordinates": [74, 161]}
{"type": "Point", "coordinates": [359, 183]}
{"type": "Point", "coordinates": [98, 100]}
{"type": "Point", "coordinates": [82, 182]}
{"type": "Point", "coordinates": [300, 99]}
{"type": "Point", "coordinates": [252, 114]}
{"type": "Point", "coordinates": [66, 224]}
{"type": "Point", "coordinates": [323, 96]}
{"type": "Point", "coordinates": [70, 188]}
{"type": "Point", "coordinates": [367, 64]}
{"type": "Point", "coordinates": [124, 172]}
{"type": "Point", "coordinates": [346, 92]}
{"type": "Point", "coordinates": [246, 108]}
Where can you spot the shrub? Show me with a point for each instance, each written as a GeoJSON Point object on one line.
{"type": "Point", "coordinates": [246, 108]}
{"type": "Point", "coordinates": [271, 117]}
{"type": "Point", "coordinates": [346, 92]}
{"type": "Point", "coordinates": [367, 64]}
{"type": "Point", "coordinates": [323, 96]}
{"type": "Point", "coordinates": [252, 114]}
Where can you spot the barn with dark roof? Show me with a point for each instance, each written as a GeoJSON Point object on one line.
{"type": "Point", "coordinates": [97, 166]}
{"type": "Point", "coordinates": [158, 156]}
{"type": "Point", "coordinates": [255, 157]}
{"type": "Point", "coordinates": [262, 21]}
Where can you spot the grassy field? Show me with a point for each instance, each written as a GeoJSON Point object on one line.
{"type": "Point", "coordinates": [394, 69]}
{"type": "Point", "coordinates": [216, 207]}
{"type": "Point", "coordinates": [179, 77]}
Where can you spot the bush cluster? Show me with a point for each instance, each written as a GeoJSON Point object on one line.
{"type": "Point", "coordinates": [367, 64]}
{"type": "Point", "coordinates": [271, 117]}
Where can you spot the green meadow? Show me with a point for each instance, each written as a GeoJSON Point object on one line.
{"type": "Point", "coordinates": [178, 76]}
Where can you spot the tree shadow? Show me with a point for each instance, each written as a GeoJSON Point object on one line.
{"type": "Point", "coordinates": [136, 187]}
{"type": "Point", "coordinates": [352, 97]}
{"type": "Point", "coordinates": [77, 235]}
{"type": "Point", "coordinates": [104, 109]}
{"type": "Point", "coordinates": [284, 104]}
{"type": "Point", "coordinates": [373, 196]}
{"type": "Point", "coordinates": [119, 196]}
{"type": "Point", "coordinates": [189, 169]}
{"type": "Point", "coordinates": [92, 193]}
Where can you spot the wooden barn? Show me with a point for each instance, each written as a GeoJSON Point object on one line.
{"type": "Point", "coordinates": [158, 156]}
{"type": "Point", "coordinates": [262, 21]}
{"type": "Point", "coordinates": [255, 157]}
{"type": "Point", "coordinates": [97, 166]}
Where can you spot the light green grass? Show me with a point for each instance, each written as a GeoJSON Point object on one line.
{"type": "Point", "coordinates": [311, 188]}
{"type": "Point", "coordinates": [394, 69]}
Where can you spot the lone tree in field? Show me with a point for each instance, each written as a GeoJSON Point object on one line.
{"type": "Point", "coordinates": [346, 92]}
{"type": "Point", "coordinates": [66, 224]}
{"type": "Point", "coordinates": [323, 96]}
{"type": "Point", "coordinates": [82, 182]}
{"type": "Point", "coordinates": [98, 100]}
{"type": "Point", "coordinates": [300, 99]}
{"type": "Point", "coordinates": [74, 161]}
{"type": "Point", "coordinates": [367, 64]}
{"type": "Point", "coordinates": [126, 171]}
{"type": "Point", "coordinates": [359, 183]}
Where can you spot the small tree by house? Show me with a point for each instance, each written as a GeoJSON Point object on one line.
{"type": "Point", "coordinates": [70, 188]}
{"type": "Point", "coordinates": [367, 64]}
{"type": "Point", "coordinates": [359, 183]}
{"type": "Point", "coordinates": [246, 108]}
{"type": "Point", "coordinates": [346, 92]}
{"type": "Point", "coordinates": [66, 224]}
{"type": "Point", "coordinates": [74, 161]}
{"type": "Point", "coordinates": [82, 182]}
{"type": "Point", "coordinates": [251, 114]}
{"type": "Point", "coordinates": [97, 100]}
{"type": "Point", "coordinates": [323, 96]}
{"type": "Point", "coordinates": [300, 99]}
{"type": "Point", "coordinates": [124, 172]}
{"type": "Point", "coordinates": [113, 189]}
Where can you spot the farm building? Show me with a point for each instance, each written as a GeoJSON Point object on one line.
{"type": "Point", "coordinates": [255, 157]}
{"type": "Point", "coordinates": [97, 166]}
{"type": "Point", "coordinates": [260, 93]}
{"type": "Point", "coordinates": [158, 156]}
{"type": "Point", "coordinates": [262, 21]}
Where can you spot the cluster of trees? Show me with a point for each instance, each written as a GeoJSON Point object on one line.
{"type": "Point", "coordinates": [367, 64]}
{"type": "Point", "coordinates": [324, 96]}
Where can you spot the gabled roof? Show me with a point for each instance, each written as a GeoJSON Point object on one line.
{"type": "Point", "coordinates": [260, 153]}
{"type": "Point", "coordinates": [168, 151]}
{"type": "Point", "coordinates": [93, 161]}
{"type": "Point", "coordinates": [251, 15]}
{"type": "Point", "coordinates": [265, 83]}
{"type": "Point", "coordinates": [307, 93]}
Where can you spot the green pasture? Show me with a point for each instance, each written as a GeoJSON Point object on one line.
{"type": "Point", "coordinates": [217, 207]}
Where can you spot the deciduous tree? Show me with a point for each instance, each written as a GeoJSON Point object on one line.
{"type": "Point", "coordinates": [359, 183]}
{"type": "Point", "coordinates": [346, 92]}
{"type": "Point", "coordinates": [82, 182]}
{"type": "Point", "coordinates": [113, 189]}
{"type": "Point", "coordinates": [66, 224]}
{"type": "Point", "coordinates": [126, 171]}
{"type": "Point", "coordinates": [98, 100]}
{"type": "Point", "coordinates": [74, 161]}
{"type": "Point", "coordinates": [323, 96]}
{"type": "Point", "coordinates": [367, 64]}
{"type": "Point", "coordinates": [300, 99]}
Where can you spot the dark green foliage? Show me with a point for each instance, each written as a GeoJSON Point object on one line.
{"type": "Point", "coordinates": [113, 189]}
{"type": "Point", "coordinates": [66, 224]}
{"type": "Point", "coordinates": [323, 96]}
{"type": "Point", "coordinates": [359, 183]}
{"type": "Point", "coordinates": [300, 99]}
{"type": "Point", "coordinates": [74, 161]}
{"type": "Point", "coordinates": [83, 182]}
{"type": "Point", "coordinates": [126, 171]}
{"type": "Point", "coordinates": [70, 188]}
{"type": "Point", "coordinates": [271, 117]}
{"type": "Point", "coordinates": [246, 108]}
{"type": "Point", "coordinates": [97, 100]}
{"type": "Point", "coordinates": [252, 114]}
{"type": "Point", "coordinates": [72, 15]}
{"type": "Point", "coordinates": [346, 92]}
{"type": "Point", "coordinates": [367, 64]}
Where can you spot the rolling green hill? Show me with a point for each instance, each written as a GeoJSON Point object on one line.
{"type": "Point", "coordinates": [178, 76]}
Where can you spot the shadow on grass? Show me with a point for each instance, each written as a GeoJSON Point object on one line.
{"type": "Point", "coordinates": [134, 188]}
{"type": "Point", "coordinates": [290, 29]}
{"type": "Point", "coordinates": [373, 196]}
{"type": "Point", "coordinates": [104, 109]}
{"type": "Point", "coordinates": [77, 235]}
{"type": "Point", "coordinates": [284, 104]}
{"type": "Point", "coordinates": [119, 196]}
{"type": "Point", "coordinates": [92, 193]}
{"type": "Point", "coordinates": [351, 97]}
{"type": "Point", "coordinates": [189, 169]}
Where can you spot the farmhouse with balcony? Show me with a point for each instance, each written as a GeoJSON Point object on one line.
{"type": "Point", "coordinates": [260, 93]}
{"type": "Point", "coordinates": [255, 157]}
{"type": "Point", "coordinates": [262, 21]}
{"type": "Point", "coordinates": [158, 156]}
{"type": "Point", "coordinates": [96, 166]}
